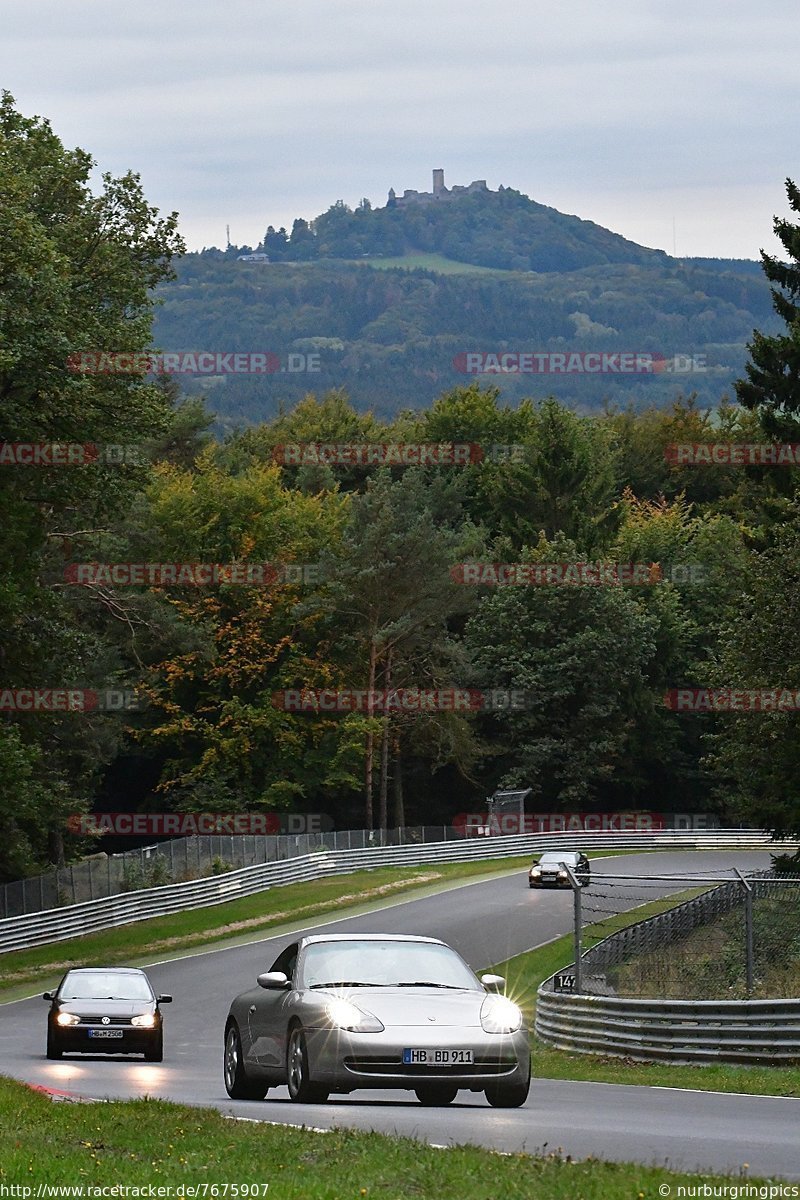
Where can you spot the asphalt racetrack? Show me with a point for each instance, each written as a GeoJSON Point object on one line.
{"type": "Point", "coordinates": [486, 922]}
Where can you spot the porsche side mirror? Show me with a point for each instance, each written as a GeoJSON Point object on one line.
{"type": "Point", "coordinates": [493, 983]}
{"type": "Point", "coordinates": [273, 979]}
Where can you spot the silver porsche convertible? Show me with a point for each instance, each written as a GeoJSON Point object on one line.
{"type": "Point", "coordinates": [337, 1012]}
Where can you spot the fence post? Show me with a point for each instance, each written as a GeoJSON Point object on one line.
{"type": "Point", "coordinates": [577, 930]}
{"type": "Point", "coordinates": [748, 932]}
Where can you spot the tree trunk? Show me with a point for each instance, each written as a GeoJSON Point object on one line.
{"type": "Point", "coordinates": [370, 751]}
{"type": "Point", "coordinates": [55, 848]}
{"type": "Point", "coordinates": [397, 787]}
{"type": "Point", "coordinates": [384, 786]}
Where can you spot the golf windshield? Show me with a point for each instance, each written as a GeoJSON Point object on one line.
{"type": "Point", "coordinates": [105, 985]}
{"type": "Point", "coordinates": [359, 963]}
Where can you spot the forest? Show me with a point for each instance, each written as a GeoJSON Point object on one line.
{"type": "Point", "coordinates": [395, 336]}
{"type": "Point", "coordinates": [211, 574]}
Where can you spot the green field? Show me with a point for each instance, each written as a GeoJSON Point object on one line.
{"type": "Point", "coordinates": [145, 1143]}
{"type": "Point", "coordinates": [430, 262]}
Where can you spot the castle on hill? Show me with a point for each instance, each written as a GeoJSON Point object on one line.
{"type": "Point", "coordinates": [439, 193]}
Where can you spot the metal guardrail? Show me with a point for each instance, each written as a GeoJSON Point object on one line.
{"type": "Point", "coordinates": [679, 1031]}
{"type": "Point", "coordinates": [60, 924]}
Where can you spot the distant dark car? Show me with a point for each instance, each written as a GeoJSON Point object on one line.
{"type": "Point", "coordinates": [550, 871]}
{"type": "Point", "coordinates": [105, 1010]}
{"type": "Point", "coordinates": [340, 1012]}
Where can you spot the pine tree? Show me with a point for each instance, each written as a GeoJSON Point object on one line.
{"type": "Point", "coordinates": [772, 386]}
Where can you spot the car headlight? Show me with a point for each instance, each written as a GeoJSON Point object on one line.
{"type": "Point", "coordinates": [562, 874]}
{"type": "Point", "coordinates": [65, 1018]}
{"type": "Point", "coordinates": [535, 872]}
{"type": "Point", "coordinates": [500, 1015]}
{"type": "Point", "coordinates": [145, 1021]}
{"type": "Point", "coordinates": [349, 1016]}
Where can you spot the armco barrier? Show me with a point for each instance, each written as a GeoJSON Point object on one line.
{"type": "Point", "coordinates": [688, 1031]}
{"type": "Point", "coordinates": [55, 925]}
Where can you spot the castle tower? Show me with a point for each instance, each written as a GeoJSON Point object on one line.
{"type": "Point", "coordinates": [438, 183]}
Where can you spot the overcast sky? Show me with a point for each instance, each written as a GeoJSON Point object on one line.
{"type": "Point", "coordinates": [673, 122]}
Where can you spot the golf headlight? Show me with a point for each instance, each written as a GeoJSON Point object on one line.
{"type": "Point", "coordinates": [562, 874]}
{"type": "Point", "coordinates": [349, 1016]}
{"type": "Point", "coordinates": [65, 1018]}
{"type": "Point", "coordinates": [145, 1021]}
{"type": "Point", "coordinates": [535, 871]}
{"type": "Point", "coordinates": [500, 1015]}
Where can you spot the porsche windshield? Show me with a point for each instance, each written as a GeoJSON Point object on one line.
{"type": "Point", "coordinates": [385, 964]}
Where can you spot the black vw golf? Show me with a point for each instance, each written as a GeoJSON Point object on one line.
{"type": "Point", "coordinates": [105, 1010]}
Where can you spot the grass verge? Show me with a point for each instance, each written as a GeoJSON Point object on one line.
{"type": "Point", "coordinates": [236, 921]}
{"type": "Point", "coordinates": [525, 972]}
{"type": "Point", "coordinates": [153, 1143]}
{"type": "Point", "coordinates": [710, 962]}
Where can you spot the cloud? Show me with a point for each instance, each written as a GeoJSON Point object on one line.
{"type": "Point", "coordinates": [241, 113]}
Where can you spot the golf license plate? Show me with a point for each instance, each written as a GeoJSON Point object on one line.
{"type": "Point", "coordinates": [106, 1033]}
{"type": "Point", "coordinates": [436, 1058]}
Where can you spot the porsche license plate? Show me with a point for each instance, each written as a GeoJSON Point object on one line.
{"type": "Point", "coordinates": [436, 1058]}
{"type": "Point", "coordinates": [106, 1033]}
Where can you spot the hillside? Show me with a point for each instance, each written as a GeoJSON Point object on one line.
{"type": "Point", "coordinates": [388, 301]}
{"type": "Point", "coordinates": [502, 229]}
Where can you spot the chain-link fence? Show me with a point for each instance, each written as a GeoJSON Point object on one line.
{"type": "Point", "coordinates": [739, 938]}
{"type": "Point", "coordinates": [190, 858]}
